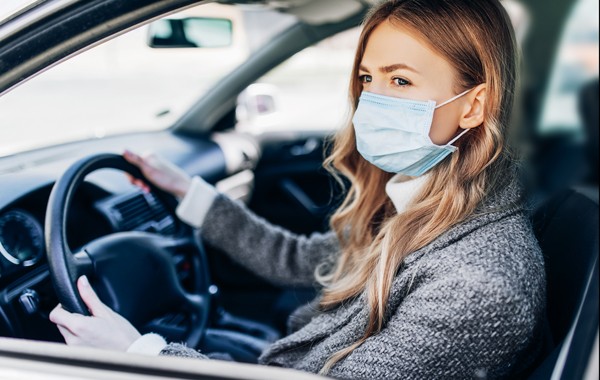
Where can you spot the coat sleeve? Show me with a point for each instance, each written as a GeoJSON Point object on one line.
{"type": "Point", "coordinates": [452, 328]}
{"type": "Point", "coordinates": [277, 255]}
{"type": "Point", "coordinates": [182, 351]}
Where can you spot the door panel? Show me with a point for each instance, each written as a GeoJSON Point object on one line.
{"type": "Point", "coordinates": [294, 191]}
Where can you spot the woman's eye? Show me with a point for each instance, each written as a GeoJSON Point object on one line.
{"type": "Point", "coordinates": [401, 82]}
{"type": "Point", "coordinates": [365, 78]}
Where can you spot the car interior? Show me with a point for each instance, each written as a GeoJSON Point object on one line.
{"type": "Point", "coordinates": [74, 198]}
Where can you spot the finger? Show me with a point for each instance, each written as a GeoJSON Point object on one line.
{"type": "Point", "coordinates": [142, 161]}
{"type": "Point", "coordinates": [159, 163]}
{"type": "Point", "coordinates": [68, 336]}
{"type": "Point", "coordinates": [53, 316]}
{"type": "Point", "coordinates": [141, 184]}
{"type": "Point", "coordinates": [61, 317]}
{"type": "Point", "coordinates": [149, 156]}
{"type": "Point", "coordinates": [132, 157]}
{"type": "Point", "coordinates": [130, 178]}
{"type": "Point", "coordinates": [137, 182]}
{"type": "Point", "coordinates": [89, 297]}
{"type": "Point", "coordinates": [134, 180]}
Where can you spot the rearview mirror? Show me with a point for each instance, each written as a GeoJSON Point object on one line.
{"type": "Point", "coordinates": [192, 32]}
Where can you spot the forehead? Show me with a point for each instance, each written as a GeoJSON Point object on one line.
{"type": "Point", "coordinates": [390, 44]}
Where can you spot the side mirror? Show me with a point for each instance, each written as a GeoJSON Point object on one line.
{"type": "Point", "coordinates": [191, 32]}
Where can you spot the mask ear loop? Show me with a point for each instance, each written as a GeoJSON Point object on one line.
{"type": "Point", "coordinates": [450, 101]}
{"type": "Point", "coordinates": [454, 98]}
{"type": "Point", "coordinates": [457, 137]}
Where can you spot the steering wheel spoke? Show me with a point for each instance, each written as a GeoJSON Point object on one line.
{"type": "Point", "coordinates": [81, 264]}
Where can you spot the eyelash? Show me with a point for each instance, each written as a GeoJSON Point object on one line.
{"type": "Point", "coordinates": [365, 78]}
{"type": "Point", "coordinates": [404, 82]}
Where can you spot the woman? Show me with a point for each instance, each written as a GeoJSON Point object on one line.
{"type": "Point", "coordinates": [432, 269]}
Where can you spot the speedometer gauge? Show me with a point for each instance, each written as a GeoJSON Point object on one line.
{"type": "Point", "coordinates": [21, 238]}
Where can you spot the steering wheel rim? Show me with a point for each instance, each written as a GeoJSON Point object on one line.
{"type": "Point", "coordinates": [99, 259]}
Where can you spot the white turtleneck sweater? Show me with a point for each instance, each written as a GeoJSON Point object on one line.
{"type": "Point", "coordinates": [402, 189]}
{"type": "Point", "coordinates": [194, 207]}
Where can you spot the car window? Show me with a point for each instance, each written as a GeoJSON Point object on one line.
{"type": "Point", "coordinates": [575, 65]}
{"type": "Point", "coordinates": [125, 85]}
{"type": "Point", "coordinates": [307, 92]}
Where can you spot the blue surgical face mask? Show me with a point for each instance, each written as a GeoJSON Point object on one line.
{"type": "Point", "coordinates": [393, 133]}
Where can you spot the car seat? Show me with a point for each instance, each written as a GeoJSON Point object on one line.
{"type": "Point", "coordinates": [567, 230]}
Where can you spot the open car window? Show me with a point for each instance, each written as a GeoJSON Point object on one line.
{"type": "Point", "coordinates": [575, 65]}
{"type": "Point", "coordinates": [143, 80]}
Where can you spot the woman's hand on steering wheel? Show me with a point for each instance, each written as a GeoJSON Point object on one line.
{"type": "Point", "coordinates": [152, 291]}
{"type": "Point", "coordinates": [103, 329]}
{"type": "Point", "coordinates": [162, 173]}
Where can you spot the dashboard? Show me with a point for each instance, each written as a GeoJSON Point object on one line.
{"type": "Point", "coordinates": [104, 203]}
{"type": "Point", "coordinates": [27, 294]}
{"type": "Point", "coordinates": [94, 213]}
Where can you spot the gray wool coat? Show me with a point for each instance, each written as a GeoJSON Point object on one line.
{"type": "Point", "coordinates": [469, 305]}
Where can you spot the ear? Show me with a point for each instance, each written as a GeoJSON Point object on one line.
{"type": "Point", "coordinates": [474, 109]}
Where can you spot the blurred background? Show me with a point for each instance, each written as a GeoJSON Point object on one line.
{"type": "Point", "coordinates": [134, 83]}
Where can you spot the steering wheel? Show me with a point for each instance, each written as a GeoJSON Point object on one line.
{"type": "Point", "coordinates": [132, 272]}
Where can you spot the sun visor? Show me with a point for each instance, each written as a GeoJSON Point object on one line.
{"type": "Point", "coordinates": [314, 12]}
{"type": "Point", "coordinates": [318, 12]}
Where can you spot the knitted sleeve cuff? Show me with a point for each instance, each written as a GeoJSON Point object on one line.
{"type": "Point", "coordinates": [194, 206]}
{"type": "Point", "coordinates": [148, 344]}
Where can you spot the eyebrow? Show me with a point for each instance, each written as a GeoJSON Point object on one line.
{"type": "Point", "coordinates": [392, 68]}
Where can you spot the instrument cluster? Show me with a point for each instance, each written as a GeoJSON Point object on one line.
{"type": "Point", "coordinates": [21, 240]}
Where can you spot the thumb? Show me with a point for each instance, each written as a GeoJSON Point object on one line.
{"type": "Point", "coordinates": [89, 296]}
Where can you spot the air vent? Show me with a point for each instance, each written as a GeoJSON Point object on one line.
{"type": "Point", "coordinates": [140, 212]}
{"type": "Point", "coordinates": [133, 212]}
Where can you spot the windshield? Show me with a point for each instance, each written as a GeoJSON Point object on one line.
{"type": "Point", "coordinates": [143, 80]}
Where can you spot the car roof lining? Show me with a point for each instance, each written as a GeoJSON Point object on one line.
{"type": "Point", "coordinates": [313, 12]}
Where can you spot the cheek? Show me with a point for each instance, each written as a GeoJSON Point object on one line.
{"type": "Point", "coordinates": [444, 126]}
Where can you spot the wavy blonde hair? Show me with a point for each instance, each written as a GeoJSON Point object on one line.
{"type": "Point", "coordinates": [477, 39]}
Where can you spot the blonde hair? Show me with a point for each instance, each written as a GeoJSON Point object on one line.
{"type": "Point", "coordinates": [476, 38]}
